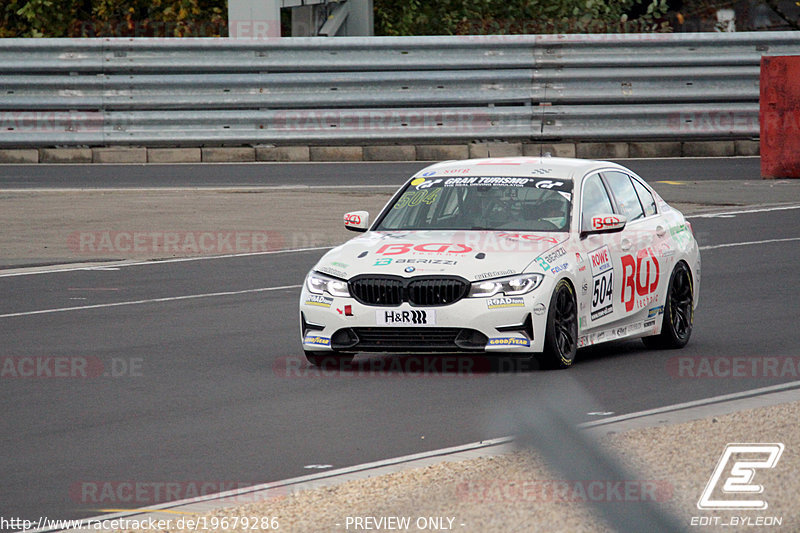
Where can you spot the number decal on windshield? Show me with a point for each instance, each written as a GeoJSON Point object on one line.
{"type": "Point", "coordinates": [414, 198]}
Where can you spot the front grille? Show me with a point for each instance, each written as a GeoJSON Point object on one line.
{"type": "Point", "coordinates": [426, 291]}
{"type": "Point", "coordinates": [379, 339]}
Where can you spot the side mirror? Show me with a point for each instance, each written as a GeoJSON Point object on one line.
{"type": "Point", "coordinates": [604, 224]}
{"type": "Point", "coordinates": [357, 221]}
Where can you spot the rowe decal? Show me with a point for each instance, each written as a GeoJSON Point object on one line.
{"type": "Point", "coordinates": [428, 248]}
{"type": "Point", "coordinates": [640, 276]}
{"type": "Point", "coordinates": [602, 282]}
{"type": "Point", "coordinates": [403, 318]}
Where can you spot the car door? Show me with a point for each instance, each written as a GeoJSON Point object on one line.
{"type": "Point", "coordinates": [642, 267]}
{"type": "Point", "coordinates": [599, 274]}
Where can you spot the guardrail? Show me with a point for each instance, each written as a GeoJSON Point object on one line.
{"type": "Point", "coordinates": [370, 90]}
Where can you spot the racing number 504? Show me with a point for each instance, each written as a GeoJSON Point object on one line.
{"type": "Point", "coordinates": [603, 289]}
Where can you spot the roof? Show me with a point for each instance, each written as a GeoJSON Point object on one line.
{"type": "Point", "coordinates": [557, 167]}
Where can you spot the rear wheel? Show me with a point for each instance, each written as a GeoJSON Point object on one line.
{"type": "Point", "coordinates": [561, 334]}
{"type": "Point", "coordinates": [328, 359]}
{"type": "Point", "coordinates": [676, 326]}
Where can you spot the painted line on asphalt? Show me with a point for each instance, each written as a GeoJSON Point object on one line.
{"type": "Point", "coordinates": [745, 211]}
{"type": "Point", "coordinates": [149, 301]}
{"type": "Point", "coordinates": [211, 502]}
{"type": "Point", "coordinates": [118, 265]}
{"type": "Point", "coordinates": [749, 243]}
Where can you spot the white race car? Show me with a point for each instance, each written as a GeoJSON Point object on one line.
{"type": "Point", "coordinates": [537, 256]}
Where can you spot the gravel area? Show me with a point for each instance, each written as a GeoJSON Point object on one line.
{"type": "Point", "coordinates": [517, 492]}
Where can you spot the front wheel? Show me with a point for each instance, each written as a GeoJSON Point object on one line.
{"type": "Point", "coordinates": [329, 359]}
{"type": "Point", "coordinates": [676, 326]}
{"type": "Point", "coordinates": [561, 335]}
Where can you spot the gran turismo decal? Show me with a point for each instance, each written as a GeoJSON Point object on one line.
{"type": "Point", "coordinates": [484, 181]}
{"type": "Point", "coordinates": [602, 282]}
{"type": "Point", "coordinates": [426, 248]}
{"type": "Point", "coordinates": [509, 341]}
{"type": "Point", "coordinates": [317, 340]}
{"type": "Point", "coordinates": [318, 300]}
{"type": "Point", "coordinates": [640, 278]}
{"type": "Point", "coordinates": [415, 317]}
{"type": "Point", "coordinates": [500, 303]}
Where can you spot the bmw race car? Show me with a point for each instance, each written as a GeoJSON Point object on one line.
{"type": "Point", "coordinates": [537, 256]}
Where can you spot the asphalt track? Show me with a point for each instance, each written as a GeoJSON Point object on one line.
{"type": "Point", "coordinates": [219, 392]}
{"type": "Point", "coordinates": [313, 174]}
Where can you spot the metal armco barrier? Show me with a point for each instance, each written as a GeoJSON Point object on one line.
{"type": "Point", "coordinates": [780, 117]}
{"type": "Point", "coordinates": [62, 92]}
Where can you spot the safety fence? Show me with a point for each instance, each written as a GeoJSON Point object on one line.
{"type": "Point", "coordinates": [372, 90]}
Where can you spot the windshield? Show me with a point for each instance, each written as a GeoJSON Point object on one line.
{"type": "Point", "coordinates": [481, 203]}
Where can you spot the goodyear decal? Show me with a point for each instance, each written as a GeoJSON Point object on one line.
{"type": "Point", "coordinates": [509, 341]}
{"type": "Point", "coordinates": [655, 311]}
{"type": "Point", "coordinates": [317, 340]}
{"type": "Point", "coordinates": [319, 301]}
{"type": "Point", "coordinates": [501, 303]}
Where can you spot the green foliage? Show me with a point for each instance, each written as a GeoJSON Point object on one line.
{"type": "Point", "coordinates": [471, 17]}
{"type": "Point", "coordinates": [113, 18]}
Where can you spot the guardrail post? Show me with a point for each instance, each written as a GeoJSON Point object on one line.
{"type": "Point", "coordinates": [780, 117]}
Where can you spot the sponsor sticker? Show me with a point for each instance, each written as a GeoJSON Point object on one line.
{"type": "Point", "coordinates": [539, 309]}
{"type": "Point", "coordinates": [602, 282]}
{"type": "Point", "coordinates": [495, 274]}
{"type": "Point", "coordinates": [509, 341]}
{"type": "Point", "coordinates": [655, 311]}
{"type": "Point", "coordinates": [413, 317]}
{"type": "Point", "coordinates": [500, 303]}
{"type": "Point", "coordinates": [317, 340]}
{"type": "Point", "coordinates": [318, 300]}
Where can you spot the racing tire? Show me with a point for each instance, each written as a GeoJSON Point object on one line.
{"type": "Point", "coordinates": [329, 360]}
{"type": "Point", "coordinates": [676, 324]}
{"type": "Point", "coordinates": [561, 333]}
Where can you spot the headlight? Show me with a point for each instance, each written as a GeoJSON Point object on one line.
{"type": "Point", "coordinates": [510, 286]}
{"type": "Point", "coordinates": [317, 283]}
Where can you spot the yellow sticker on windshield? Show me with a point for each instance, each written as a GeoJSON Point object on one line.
{"type": "Point", "coordinates": [417, 181]}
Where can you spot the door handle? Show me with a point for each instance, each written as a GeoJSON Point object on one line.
{"type": "Point", "coordinates": [625, 244]}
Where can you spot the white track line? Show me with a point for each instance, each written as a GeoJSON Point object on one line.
{"type": "Point", "coordinates": [749, 243]}
{"type": "Point", "coordinates": [116, 265]}
{"type": "Point", "coordinates": [150, 301]}
{"type": "Point", "coordinates": [746, 211]}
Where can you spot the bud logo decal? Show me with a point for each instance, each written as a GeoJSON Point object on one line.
{"type": "Point", "coordinates": [640, 276]}
{"type": "Point", "coordinates": [739, 480]}
{"type": "Point", "coordinates": [428, 248]}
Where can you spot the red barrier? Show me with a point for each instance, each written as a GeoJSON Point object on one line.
{"type": "Point", "coordinates": [780, 117]}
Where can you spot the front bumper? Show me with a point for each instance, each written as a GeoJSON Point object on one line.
{"type": "Point", "coordinates": [502, 325]}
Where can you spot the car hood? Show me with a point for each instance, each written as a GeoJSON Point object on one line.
{"type": "Point", "coordinates": [473, 255]}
